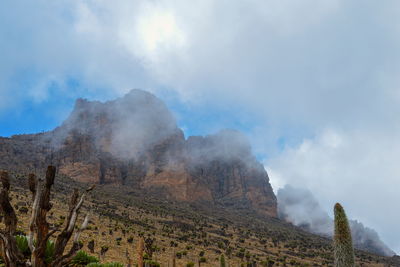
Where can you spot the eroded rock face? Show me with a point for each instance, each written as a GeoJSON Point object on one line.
{"type": "Point", "coordinates": [135, 141]}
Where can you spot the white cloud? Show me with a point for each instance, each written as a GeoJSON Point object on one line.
{"type": "Point", "coordinates": [158, 32]}
{"type": "Point", "coordinates": [358, 169]}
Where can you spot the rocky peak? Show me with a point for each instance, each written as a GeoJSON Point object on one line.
{"type": "Point", "coordinates": [135, 141]}
{"type": "Point", "coordinates": [124, 127]}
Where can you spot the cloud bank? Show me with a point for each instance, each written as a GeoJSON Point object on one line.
{"type": "Point", "coordinates": [299, 207]}
{"type": "Point", "coordinates": [357, 169]}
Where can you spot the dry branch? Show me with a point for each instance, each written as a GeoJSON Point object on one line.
{"type": "Point", "coordinates": [12, 256]}
{"type": "Point", "coordinates": [39, 232]}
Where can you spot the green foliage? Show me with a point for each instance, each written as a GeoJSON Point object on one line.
{"type": "Point", "coordinates": [82, 259]}
{"type": "Point", "coordinates": [190, 264]}
{"type": "Point", "coordinates": [111, 264]}
{"type": "Point", "coordinates": [151, 263]}
{"type": "Point", "coordinates": [22, 245]}
{"type": "Point", "coordinates": [222, 261]}
{"type": "Point", "coordinates": [240, 253]}
{"type": "Point", "coordinates": [49, 252]}
{"type": "Point", "coordinates": [202, 259]}
{"type": "Point", "coordinates": [342, 241]}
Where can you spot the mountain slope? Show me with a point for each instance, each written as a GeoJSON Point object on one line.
{"type": "Point", "coordinates": [194, 232]}
{"type": "Point", "coordinates": [134, 141]}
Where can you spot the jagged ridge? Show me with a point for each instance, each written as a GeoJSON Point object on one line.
{"type": "Point", "coordinates": [135, 141]}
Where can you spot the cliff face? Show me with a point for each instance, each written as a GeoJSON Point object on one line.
{"type": "Point", "coordinates": [135, 141]}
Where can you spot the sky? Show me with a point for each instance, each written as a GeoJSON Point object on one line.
{"type": "Point", "coordinates": [314, 84]}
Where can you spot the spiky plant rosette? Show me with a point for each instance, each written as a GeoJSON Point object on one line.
{"type": "Point", "coordinates": [342, 241]}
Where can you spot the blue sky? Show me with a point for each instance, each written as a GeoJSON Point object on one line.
{"type": "Point", "coordinates": [313, 84]}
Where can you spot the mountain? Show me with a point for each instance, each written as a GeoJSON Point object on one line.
{"type": "Point", "coordinates": [299, 207]}
{"type": "Point", "coordinates": [134, 141]}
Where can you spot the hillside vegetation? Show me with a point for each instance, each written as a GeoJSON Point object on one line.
{"type": "Point", "coordinates": [184, 233]}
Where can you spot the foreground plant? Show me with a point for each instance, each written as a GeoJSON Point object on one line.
{"type": "Point", "coordinates": [222, 261]}
{"type": "Point", "coordinates": [38, 238]}
{"type": "Point", "coordinates": [342, 241]}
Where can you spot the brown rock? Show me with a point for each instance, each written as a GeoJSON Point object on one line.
{"type": "Point", "coordinates": [134, 141]}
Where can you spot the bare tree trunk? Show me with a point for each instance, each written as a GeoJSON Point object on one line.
{"type": "Point", "coordinates": [39, 232]}
{"type": "Point", "coordinates": [65, 235]}
{"type": "Point", "coordinates": [128, 258]}
{"type": "Point", "coordinates": [140, 249]}
{"type": "Point", "coordinates": [173, 258]}
{"type": "Point", "coordinates": [41, 224]}
{"type": "Point", "coordinates": [12, 256]}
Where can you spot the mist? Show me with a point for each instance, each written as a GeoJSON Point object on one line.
{"type": "Point", "coordinates": [299, 207]}
{"type": "Point", "coordinates": [125, 127]}
{"type": "Point", "coordinates": [226, 144]}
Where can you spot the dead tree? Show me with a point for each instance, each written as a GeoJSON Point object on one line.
{"type": "Point", "coordinates": [173, 258]}
{"type": "Point", "coordinates": [39, 232]}
{"type": "Point", "coordinates": [128, 258]}
{"type": "Point", "coordinates": [12, 256]}
{"type": "Point", "coordinates": [140, 248]}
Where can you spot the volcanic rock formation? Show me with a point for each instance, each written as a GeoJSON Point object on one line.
{"type": "Point", "coordinates": [135, 141]}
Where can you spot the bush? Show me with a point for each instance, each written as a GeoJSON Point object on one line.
{"type": "Point", "coordinates": [190, 264]}
{"type": "Point", "coordinates": [49, 252]}
{"type": "Point", "coordinates": [202, 259]}
{"type": "Point", "coordinates": [222, 261]}
{"type": "Point", "coordinates": [151, 263]}
{"type": "Point", "coordinates": [82, 259]}
{"type": "Point", "coordinates": [22, 244]}
{"type": "Point", "coordinates": [111, 264]}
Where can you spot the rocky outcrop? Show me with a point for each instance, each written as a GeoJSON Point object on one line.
{"type": "Point", "coordinates": [135, 141]}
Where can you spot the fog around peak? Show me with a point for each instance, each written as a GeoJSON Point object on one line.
{"type": "Point", "coordinates": [299, 207]}
{"type": "Point", "coordinates": [124, 127]}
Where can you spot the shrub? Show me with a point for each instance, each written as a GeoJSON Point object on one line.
{"type": "Point", "coordinates": [190, 264]}
{"type": "Point", "coordinates": [222, 261]}
{"type": "Point", "coordinates": [82, 259]}
{"type": "Point", "coordinates": [151, 263]}
{"type": "Point", "coordinates": [49, 252]}
{"type": "Point", "coordinates": [22, 245]}
{"type": "Point", "coordinates": [111, 264]}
